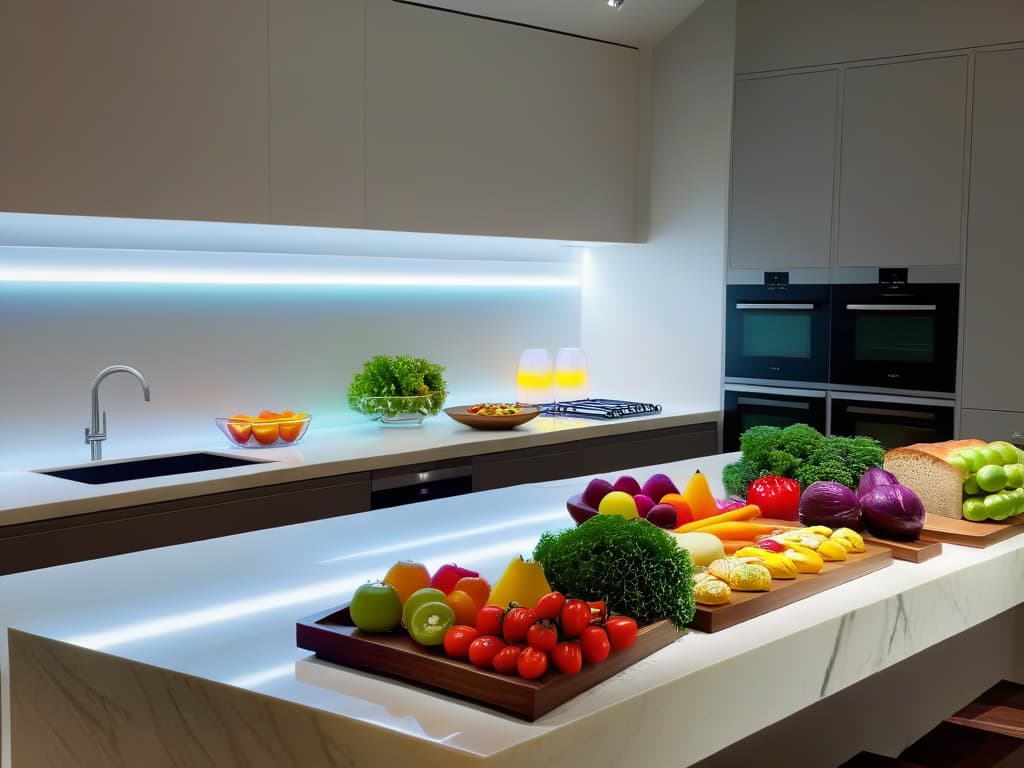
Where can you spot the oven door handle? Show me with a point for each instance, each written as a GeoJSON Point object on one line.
{"type": "Point", "coordinates": [899, 413]}
{"type": "Point", "coordinates": [764, 401]}
{"type": "Point", "coordinates": [788, 307]}
{"type": "Point", "coordinates": [891, 307]}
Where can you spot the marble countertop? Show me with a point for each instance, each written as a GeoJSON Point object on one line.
{"type": "Point", "coordinates": [29, 496]}
{"type": "Point", "coordinates": [224, 610]}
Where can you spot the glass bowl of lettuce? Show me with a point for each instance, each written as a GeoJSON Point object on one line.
{"type": "Point", "coordinates": [398, 391]}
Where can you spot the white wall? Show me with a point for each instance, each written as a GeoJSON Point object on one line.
{"type": "Point", "coordinates": [213, 350]}
{"type": "Point", "coordinates": [652, 313]}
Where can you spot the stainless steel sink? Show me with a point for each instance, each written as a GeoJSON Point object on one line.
{"type": "Point", "coordinates": [137, 469]}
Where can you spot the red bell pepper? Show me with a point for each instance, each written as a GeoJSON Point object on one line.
{"type": "Point", "coordinates": [778, 497]}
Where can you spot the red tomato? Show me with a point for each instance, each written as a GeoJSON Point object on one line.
{"type": "Point", "coordinates": [621, 632]}
{"type": "Point", "coordinates": [532, 663]}
{"type": "Point", "coordinates": [567, 657]}
{"type": "Point", "coordinates": [542, 635]}
{"type": "Point", "coordinates": [457, 640]}
{"type": "Point", "coordinates": [574, 617]}
{"type": "Point", "coordinates": [549, 605]}
{"type": "Point", "coordinates": [517, 623]}
{"type": "Point", "coordinates": [505, 660]}
{"type": "Point", "coordinates": [488, 620]}
{"type": "Point", "coordinates": [594, 644]}
{"type": "Point", "coordinates": [483, 650]}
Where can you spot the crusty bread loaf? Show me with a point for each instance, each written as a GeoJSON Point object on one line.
{"type": "Point", "coordinates": [923, 469]}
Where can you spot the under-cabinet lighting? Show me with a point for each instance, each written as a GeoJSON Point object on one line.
{"type": "Point", "coordinates": [95, 266]}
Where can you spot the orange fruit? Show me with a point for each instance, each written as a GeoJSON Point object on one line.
{"type": "Point", "coordinates": [265, 434]}
{"type": "Point", "coordinates": [463, 606]}
{"type": "Point", "coordinates": [408, 576]}
{"type": "Point", "coordinates": [269, 415]}
{"type": "Point", "coordinates": [477, 587]}
{"type": "Point", "coordinates": [289, 430]}
{"type": "Point", "coordinates": [287, 414]}
{"type": "Point", "coordinates": [239, 431]}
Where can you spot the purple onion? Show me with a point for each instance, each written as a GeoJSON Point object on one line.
{"type": "Point", "coordinates": [831, 504]}
{"type": "Point", "coordinates": [893, 512]}
{"type": "Point", "coordinates": [873, 478]}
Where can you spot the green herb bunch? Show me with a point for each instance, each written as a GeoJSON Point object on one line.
{"type": "Point", "coordinates": [635, 567]}
{"type": "Point", "coordinates": [399, 376]}
{"type": "Point", "coordinates": [800, 452]}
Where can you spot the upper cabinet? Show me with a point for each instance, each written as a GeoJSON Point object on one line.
{"type": "Point", "coordinates": [135, 108]}
{"type": "Point", "coordinates": [316, 112]}
{"type": "Point", "coordinates": [901, 173]}
{"type": "Point", "coordinates": [783, 151]}
{"type": "Point", "coordinates": [992, 363]}
{"type": "Point", "coordinates": [480, 127]}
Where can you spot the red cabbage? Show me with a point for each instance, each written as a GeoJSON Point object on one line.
{"type": "Point", "coordinates": [873, 478]}
{"type": "Point", "coordinates": [893, 512]}
{"type": "Point", "coordinates": [831, 504]}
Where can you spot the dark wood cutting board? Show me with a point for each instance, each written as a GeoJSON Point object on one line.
{"type": "Point", "coordinates": [969, 534]}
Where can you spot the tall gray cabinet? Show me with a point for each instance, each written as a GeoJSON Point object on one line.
{"type": "Point", "coordinates": [783, 150]}
{"type": "Point", "coordinates": [993, 360]}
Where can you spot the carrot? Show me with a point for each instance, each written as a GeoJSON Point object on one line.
{"type": "Point", "coordinates": [731, 546]}
{"type": "Point", "coordinates": [734, 530]}
{"type": "Point", "coordinates": [749, 512]}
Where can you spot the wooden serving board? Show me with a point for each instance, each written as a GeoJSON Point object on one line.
{"type": "Point", "coordinates": [332, 636]}
{"type": "Point", "coordinates": [747, 605]}
{"type": "Point", "coordinates": [967, 533]}
{"type": "Point", "coordinates": [911, 551]}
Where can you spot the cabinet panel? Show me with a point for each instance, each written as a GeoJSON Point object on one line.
{"type": "Point", "coordinates": [783, 157]}
{"type": "Point", "coordinates": [527, 465]}
{"type": "Point", "coordinates": [993, 364]}
{"type": "Point", "coordinates": [901, 172]}
{"type": "Point", "coordinates": [316, 112]}
{"type": "Point", "coordinates": [990, 425]}
{"type": "Point", "coordinates": [135, 108]}
{"type": "Point", "coordinates": [480, 127]}
{"type": "Point", "coordinates": [647, 448]}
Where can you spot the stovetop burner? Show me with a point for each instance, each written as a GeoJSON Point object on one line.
{"type": "Point", "coordinates": [598, 408]}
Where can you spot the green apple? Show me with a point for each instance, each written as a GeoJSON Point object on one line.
{"type": "Point", "coordinates": [376, 607]}
{"type": "Point", "coordinates": [418, 598]}
{"type": "Point", "coordinates": [429, 622]}
{"type": "Point", "coordinates": [971, 486]}
{"type": "Point", "coordinates": [1014, 475]}
{"type": "Point", "coordinates": [991, 478]}
{"type": "Point", "coordinates": [1007, 451]}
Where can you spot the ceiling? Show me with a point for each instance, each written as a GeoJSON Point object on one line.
{"type": "Point", "coordinates": [640, 23]}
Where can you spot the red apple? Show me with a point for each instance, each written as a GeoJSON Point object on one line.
{"type": "Point", "coordinates": [447, 576]}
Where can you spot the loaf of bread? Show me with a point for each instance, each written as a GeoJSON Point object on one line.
{"type": "Point", "coordinates": [923, 468]}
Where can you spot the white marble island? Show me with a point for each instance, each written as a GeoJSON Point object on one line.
{"type": "Point", "coordinates": [186, 656]}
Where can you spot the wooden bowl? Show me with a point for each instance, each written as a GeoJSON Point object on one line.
{"type": "Point", "coordinates": [461, 414]}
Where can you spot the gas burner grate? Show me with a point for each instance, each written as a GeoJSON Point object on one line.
{"type": "Point", "coordinates": [598, 409]}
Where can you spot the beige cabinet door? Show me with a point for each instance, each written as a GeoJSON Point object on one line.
{"type": "Point", "coordinates": [783, 159]}
{"type": "Point", "coordinates": [481, 127]}
{"type": "Point", "coordinates": [135, 108]}
{"type": "Point", "coordinates": [993, 356]}
{"type": "Point", "coordinates": [901, 169]}
{"type": "Point", "coordinates": [316, 112]}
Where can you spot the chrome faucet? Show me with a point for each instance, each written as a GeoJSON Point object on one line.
{"type": "Point", "coordinates": [93, 436]}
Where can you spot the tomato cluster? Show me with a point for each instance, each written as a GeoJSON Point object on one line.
{"type": "Point", "coordinates": [559, 632]}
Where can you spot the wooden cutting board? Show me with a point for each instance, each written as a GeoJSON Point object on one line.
{"type": "Point", "coordinates": [747, 605]}
{"type": "Point", "coordinates": [969, 534]}
{"type": "Point", "coordinates": [332, 636]}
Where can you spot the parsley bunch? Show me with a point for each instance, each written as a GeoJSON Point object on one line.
{"type": "Point", "coordinates": [400, 376]}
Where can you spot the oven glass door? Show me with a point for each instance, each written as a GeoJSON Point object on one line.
{"type": "Point", "coordinates": [906, 339]}
{"type": "Point", "coordinates": [777, 335]}
{"type": "Point", "coordinates": [893, 424]}
{"type": "Point", "coordinates": [750, 408]}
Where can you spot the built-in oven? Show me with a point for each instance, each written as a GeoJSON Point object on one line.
{"type": "Point", "coordinates": [892, 420]}
{"type": "Point", "coordinates": [894, 334]}
{"type": "Point", "coordinates": [746, 406]}
{"type": "Point", "coordinates": [777, 332]}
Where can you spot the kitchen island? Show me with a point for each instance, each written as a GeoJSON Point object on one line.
{"type": "Point", "coordinates": [186, 655]}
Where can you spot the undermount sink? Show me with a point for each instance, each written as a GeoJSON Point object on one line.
{"type": "Point", "coordinates": [137, 469]}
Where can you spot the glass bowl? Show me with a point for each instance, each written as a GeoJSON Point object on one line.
{"type": "Point", "coordinates": [254, 432]}
{"type": "Point", "coordinates": [400, 411]}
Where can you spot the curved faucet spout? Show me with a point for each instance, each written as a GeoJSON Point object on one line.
{"type": "Point", "coordinates": [95, 435]}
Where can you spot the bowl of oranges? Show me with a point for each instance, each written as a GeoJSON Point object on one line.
{"type": "Point", "coordinates": [270, 429]}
